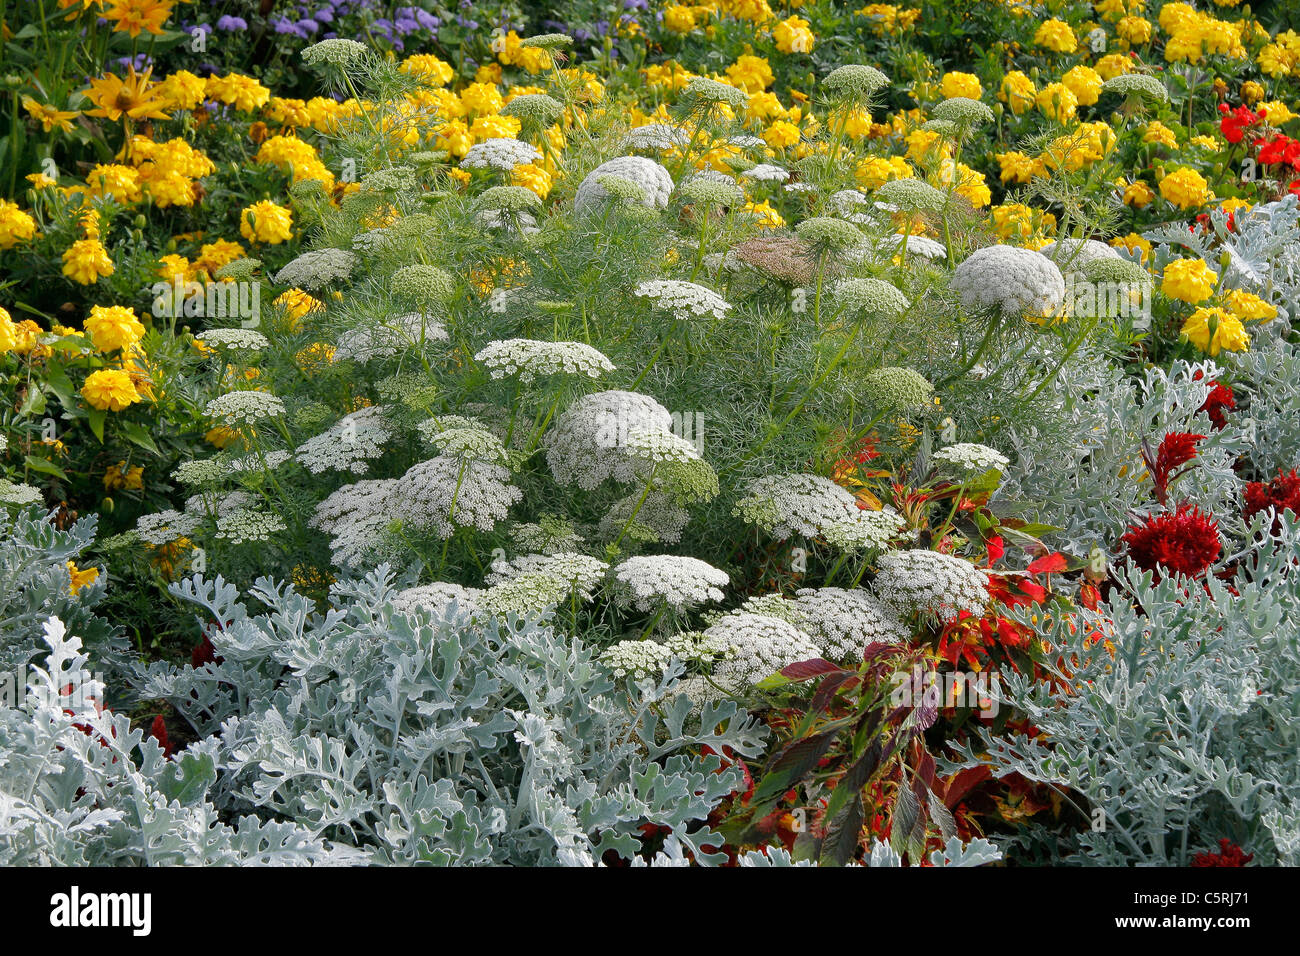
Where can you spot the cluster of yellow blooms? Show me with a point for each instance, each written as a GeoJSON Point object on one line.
{"type": "Point", "coordinates": [1213, 328]}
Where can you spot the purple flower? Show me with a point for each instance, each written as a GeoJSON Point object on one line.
{"type": "Point", "coordinates": [231, 24]}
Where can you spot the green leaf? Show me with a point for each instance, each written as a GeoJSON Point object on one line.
{"type": "Point", "coordinates": [45, 466]}
{"type": "Point", "coordinates": [96, 418]}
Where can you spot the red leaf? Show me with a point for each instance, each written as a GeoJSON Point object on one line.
{"type": "Point", "coordinates": [1048, 564]}
{"type": "Point", "coordinates": [803, 670]}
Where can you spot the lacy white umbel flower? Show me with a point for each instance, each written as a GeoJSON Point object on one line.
{"type": "Point", "coordinates": [842, 622]}
{"type": "Point", "coordinates": [1137, 86]}
{"type": "Point", "coordinates": [683, 300]}
{"type": "Point", "coordinates": [530, 358]}
{"type": "Point", "coordinates": [916, 245]}
{"type": "Point", "coordinates": [508, 199]}
{"type": "Point", "coordinates": [873, 296]}
{"type": "Point", "coordinates": [659, 519]}
{"type": "Point", "coordinates": [855, 79]}
{"type": "Point", "coordinates": [311, 270]}
{"type": "Point", "coordinates": [349, 444]}
{"type": "Point", "coordinates": [446, 493]}
{"type": "Point", "coordinates": [657, 136]}
{"type": "Point", "coordinates": [657, 445]}
{"type": "Point", "coordinates": [388, 338]}
{"type": "Point", "coordinates": [357, 516]}
{"type": "Point", "coordinates": [19, 494]}
{"type": "Point", "coordinates": [1017, 281]}
{"type": "Point", "coordinates": [705, 91]}
{"type": "Point", "coordinates": [537, 108]}
{"type": "Point", "coordinates": [788, 505]}
{"type": "Point", "coordinates": [246, 526]}
{"type": "Point", "coordinates": [437, 597]}
{"type": "Point", "coordinates": [655, 182]}
{"type": "Point", "coordinates": [166, 526]}
{"type": "Point", "coordinates": [335, 51]}
{"type": "Point", "coordinates": [550, 534]}
{"type": "Point", "coordinates": [898, 389]}
{"type": "Point", "coordinates": [766, 173]}
{"type": "Point", "coordinates": [868, 531]}
{"type": "Point", "coordinates": [500, 154]}
{"type": "Point", "coordinates": [718, 188]}
{"type": "Point", "coordinates": [588, 442]}
{"type": "Point", "coordinates": [828, 232]}
{"type": "Point", "coordinates": [963, 111]}
{"type": "Point", "coordinates": [267, 461]}
{"type": "Point", "coordinates": [646, 581]}
{"type": "Point", "coordinates": [200, 471]}
{"type": "Point", "coordinates": [927, 582]}
{"type": "Point", "coordinates": [638, 660]}
{"type": "Point", "coordinates": [1073, 255]}
{"type": "Point", "coordinates": [427, 287]}
{"type": "Point", "coordinates": [244, 408]}
{"type": "Point", "coordinates": [972, 458]}
{"type": "Point", "coordinates": [533, 592]}
{"type": "Point", "coordinates": [911, 194]}
{"type": "Point", "coordinates": [758, 646]}
{"type": "Point", "coordinates": [246, 340]}
{"type": "Point", "coordinates": [468, 444]}
{"type": "Point", "coordinates": [583, 573]}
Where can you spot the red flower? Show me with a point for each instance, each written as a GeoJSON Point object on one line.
{"type": "Point", "coordinates": [158, 731]}
{"type": "Point", "coordinates": [1235, 122]}
{"type": "Point", "coordinates": [1279, 149]}
{"type": "Point", "coordinates": [1217, 403]}
{"type": "Point", "coordinates": [1282, 493]}
{"type": "Point", "coordinates": [1184, 541]}
{"type": "Point", "coordinates": [1229, 855]}
{"type": "Point", "coordinates": [1176, 449]}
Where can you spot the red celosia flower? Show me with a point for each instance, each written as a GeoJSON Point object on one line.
{"type": "Point", "coordinates": [1235, 122]}
{"type": "Point", "coordinates": [1229, 855]}
{"type": "Point", "coordinates": [1176, 449]}
{"type": "Point", "coordinates": [204, 653]}
{"type": "Point", "coordinates": [1281, 493]}
{"type": "Point", "coordinates": [1220, 401]}
{"type": "Point", "coordinates": [1184, 541]}
{"type": "Point", "coordinates": [158, 731]}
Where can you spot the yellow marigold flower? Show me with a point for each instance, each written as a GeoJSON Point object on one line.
{"type": "Point", "coordinates": [534, 177]}
{"type": "Point", "coordinates": [969, 183]}
{"type": "Point", "coordinates": [15, 225]}
{"type": "Point", "coordinates": [1189, 280]}
{"type": "Point", "coordinates": [183, 89]}
{"type": "Point", "coordinates": [110, 389]}
{"type": "Point", "coordinates": [793, 35]}
{"type": "Point", "coordinates": [768, 218]}
{"type": "Point", "coordinates": [781, 135]}
{"type": "Point", "coordinates": [111, 179]}
{"type": "Point", "coordinates": [874, 171]}
{"type": "Point", "coordinates": [86, 261]}
{"type": "Point", "coordinates": [133, 16]}
{"type": "Point", "coordinates": [1248, 306]}
{"type": "Point", "coordinates": [1057, 36]}
{"type": "Point", "coordinates": [961, 84]}
{"type": "Point", "coordinates": [678, 18]}
{"type": "Point", "coordinates": [429, 69]}
{"type": "Point", "coordinates": [1017, 167]}
{"type": "Point", "coordinates": [8, 332]}
{"type": "Point", "coordinates": [1133, 31]}
{"type": "Point", "coordinates": [1277, 112]}
{"type": "Point", "coordinates": [1212, 330]}
{"type": "Point", "coordinates": [1112, 65]}
{"type": "Point", "coordinates": [264, 221]}
{"type": "Point", "coordinates": [482, 98]}
{"type": "Point", "coordinates": [751, 73]}
{"type": "Point", "coordinates": [243, 92]}
{"type": "Point", "coordinates": [1018, 92]}
{"type": "Point", "coordinates": [1057, 101]}
{"type": "Point", "coordinates": [49, 117]}
{"type": "Point", "coordinates": [297, 304]}
{"type": "Point", "coordinates": [113, 327]}
{"type": "Point", "coordinates": [1158, 132]}
{"type": "Point", "coordinates": [121, 478]}
{"type": "Point", "coordinates": [1084, 83]}
{"type": "Point", "coordinates": [755, 11]}
{"type": "Point", "coordinates": [314, 357]}
{"type": "Point", "coordinates": [220, 436]}
{"type": "Point", "coordinates": [1185, 188]}
{"type": "Point", "coordinates": [1138, 194]}
{"type": "Point", "coordinates": [488, 73]}
{"type": "Point", "coordinates": [40, 180]}
{"type": "Point", "coordinates": [78, 578]}
{"type": "Point", "coordinates": [1131, 242]}
{"type": "Point", "coordinates": [1232, 204]}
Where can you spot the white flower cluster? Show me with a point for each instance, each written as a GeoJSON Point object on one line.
{"type": "Point", "coordinates": [683, 300]}
{"type": "Point", "coordinates": [267, 461]}
{"type": "Point", "coordinates": [349, 443]}
{"type": "Point", "coordinates": [916, 245]}
{"type": "Point", "coordinates": [659, 518]}
{"type": "Point", "coordinates": [656, 445]}
{"type": "Point", "coordinates": [800, 504]}
{"type": "Point", "coordinates": [658, 136]}
{"type": "Point", "coordinates": [436, 597]}
{"type": "Point", "coordinates": [165, 527]}
{"type": "Point", "coordinates": [1017, 281]}
{"type": "Point", "coordinates": [246, 526]}
{"type": "Point", "coordinates": [534, 592]}
{"type": "Point", "coordinates": [467, 444]}
{"type": "Point", "coordinates": [530, 358]}
{"type": "Point", "coordinates": [244, 408]}
{"type": "Point", "coordinates": [843, 622]}
{"type": "Point", "coordinates": [317, 268]}
{"type": "Point", "coordinates": [236, 339]}
{"type": "Point", "coordinates": [865, 530]}
{"type": "Point", "coordinates": [927, 582]}
{"type": "Point", "coordinates": [588, 442]}
{"type": "Point", "coordinates": [680, 582]}
{"type": "Point", "coordinates": [637, 659]}
{"type": "Point", "coordinates": [654, 181]}
{"type": "Point", "coordinates": [581, 572]}
{"type": "Point", "coordinates": [972, 458]}
{"type": "Point", "coordinates": [200, 471]}
{"type": "Point", "coordinates": [357, 517]}
{"type": "Point", "coordinates": [759, 646]}
{"type": "Point", "coordinates": [445, 493]}
{"type": "Point", "coordinates": [501, 154]}
{"type": "Point", "coordinates": [766, 173]}
{"type": "Point", "coordinates": [1071, 255]}
{"type": "Point", "coordinates": [388, 337]}
{"type": "Point", "coordinates": [548, 535]}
